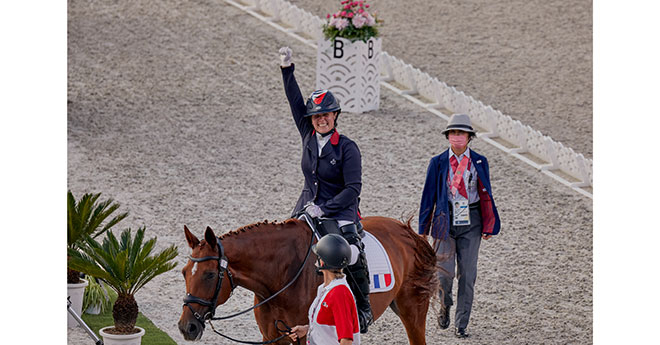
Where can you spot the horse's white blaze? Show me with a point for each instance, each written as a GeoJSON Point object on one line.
{"type": "Point", "coordinates": [194, 269]}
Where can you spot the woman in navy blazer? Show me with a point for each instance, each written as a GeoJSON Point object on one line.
{"type": "Point", "coordinates": [332, 167]}
{"type": "Point", "coordinates": [458, 245]}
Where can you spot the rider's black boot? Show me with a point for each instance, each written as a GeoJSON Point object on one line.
{"type": "Point", "coordinates": [358, 278]}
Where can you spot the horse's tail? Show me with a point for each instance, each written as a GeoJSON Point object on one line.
{"type": "Point", "coordinates": [424, 277]}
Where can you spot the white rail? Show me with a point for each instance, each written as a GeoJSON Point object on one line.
{"type": "Point", "coordinates": [511, 136]}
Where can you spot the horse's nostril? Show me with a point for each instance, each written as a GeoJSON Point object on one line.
{"type": "Point", "coordinates": [192, 328]}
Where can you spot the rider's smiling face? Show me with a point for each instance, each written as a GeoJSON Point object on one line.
{"type": "Point", "coordinates": [324, 123]}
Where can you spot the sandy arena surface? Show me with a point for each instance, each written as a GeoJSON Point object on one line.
{"type": "Point", "coordinates": [176, 110]}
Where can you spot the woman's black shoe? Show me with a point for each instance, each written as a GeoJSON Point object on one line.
{"type": "Point", "coordinates": [461, 333]}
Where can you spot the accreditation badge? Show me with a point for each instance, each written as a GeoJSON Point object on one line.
{"type": "Point", "coordinates": [461, 212]}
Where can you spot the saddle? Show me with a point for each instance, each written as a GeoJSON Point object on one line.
{"type": "Point", "coordinates": [324, 226]}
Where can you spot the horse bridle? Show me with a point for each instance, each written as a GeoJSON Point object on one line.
{"type": "Point", "coordinates": [222, 268]}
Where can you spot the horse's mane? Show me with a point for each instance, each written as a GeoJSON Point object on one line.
{"type": "Point", "coordinates": [258, 226]}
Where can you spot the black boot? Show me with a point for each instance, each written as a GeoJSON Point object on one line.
{"type": "Point", "coordinates": [358, 278]}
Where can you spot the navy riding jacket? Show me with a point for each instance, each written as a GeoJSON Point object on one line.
{"type": "Point", "coordinates": [434, 207]}
{"type": "Point", "coordinates": [333, 180]}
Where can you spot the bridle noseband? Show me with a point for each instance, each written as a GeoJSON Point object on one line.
{"type": "Point", "coordinates": [222, 268]}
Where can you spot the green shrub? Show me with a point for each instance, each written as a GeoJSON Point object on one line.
{"type": "Point", "coordinates": [98, 294]}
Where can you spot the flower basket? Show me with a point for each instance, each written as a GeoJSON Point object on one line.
{"type": "Point", "coordinates": [347, 60]}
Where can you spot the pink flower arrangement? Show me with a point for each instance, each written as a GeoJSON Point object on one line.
{"type": "Point", "coordinates": [352, 21]}
{"type": "Point", "coordinates": [359, 21]}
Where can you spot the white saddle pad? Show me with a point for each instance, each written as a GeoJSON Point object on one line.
{"type": "Point", "coordinates": [380, 267]}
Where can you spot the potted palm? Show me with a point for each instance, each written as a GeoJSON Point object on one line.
{"type": "Point", "coordinates": [86, 217]}
{"type": "Point", "coordinates": [125, 265]}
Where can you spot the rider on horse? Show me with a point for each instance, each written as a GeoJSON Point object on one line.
{"type": "Point", "coordinates": [332, 167]}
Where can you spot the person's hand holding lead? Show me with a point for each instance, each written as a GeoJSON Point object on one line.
{"type": "Point", "coordinates": [298, 332]}
{"type": "Point", "coordinates": [285, 56]}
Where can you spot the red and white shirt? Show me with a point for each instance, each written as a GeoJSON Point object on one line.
{"type": "Point", "coordinates": [333, 315]}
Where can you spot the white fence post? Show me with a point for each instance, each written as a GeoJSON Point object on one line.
{"type": "Point", "coordinates": [386, 66]}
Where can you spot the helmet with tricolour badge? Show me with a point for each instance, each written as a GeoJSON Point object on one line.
{"type": "Point", "coordinates": [322, 101]}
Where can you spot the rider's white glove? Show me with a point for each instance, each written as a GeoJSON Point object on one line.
{"type": "Point", "coordinates": [285, 56]}
{"type": "Point", "coordinates": [313, 210]}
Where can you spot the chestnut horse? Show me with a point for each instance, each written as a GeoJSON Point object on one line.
{"type": "Point", "coordinates": [264, 257]}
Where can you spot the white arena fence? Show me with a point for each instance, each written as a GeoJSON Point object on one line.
{"type": "Point", "coordinates": [511, 136]}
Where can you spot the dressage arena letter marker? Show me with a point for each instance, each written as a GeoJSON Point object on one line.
{"type": "Point", "coordinates": [339, 46]}
{"type": "Point", "coordinates": [351, 71]}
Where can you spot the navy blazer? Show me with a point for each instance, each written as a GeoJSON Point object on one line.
{"type": "Point", "coordinates": [333, 180]}
{"type": "Point", "coordinates": [434, 207]}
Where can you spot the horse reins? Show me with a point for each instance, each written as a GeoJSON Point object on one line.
{"type": "Point", "coordinates": [222, 268]}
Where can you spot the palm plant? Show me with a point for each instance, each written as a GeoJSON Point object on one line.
{"type": "Point", "coordinates": [85, 219]}
{"type": "Point", "coordinates": [126, 266]}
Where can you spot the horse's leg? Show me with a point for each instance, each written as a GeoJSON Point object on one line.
{"type": "Point", "coordinates": [292, 315]}
{"type": "Point", "coordinates": [265, 317]}
{"type": "Point", "coordinates": [412, 310]}
{"type": "Point", "coordinates": [261, 315]}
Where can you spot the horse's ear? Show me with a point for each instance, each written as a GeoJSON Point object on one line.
{"type": "Point", "coordinates": [193, 241]}
{"type": "Point", "coordinates": [210, 238]}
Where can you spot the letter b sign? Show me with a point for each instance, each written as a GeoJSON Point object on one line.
{"type": "Point", "coordinates": [339, 49]}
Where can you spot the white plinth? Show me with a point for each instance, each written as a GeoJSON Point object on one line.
{"type": "Point", "coordinates": [351, 71]}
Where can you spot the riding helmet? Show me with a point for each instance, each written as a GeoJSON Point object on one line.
{"type": "Point", "coordinates": [322, 101]}
{"type": "Point", "coordinates": [334, 250]}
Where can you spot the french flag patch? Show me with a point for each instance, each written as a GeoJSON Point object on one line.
{"type": "Point", "coordinates": [382, 280]}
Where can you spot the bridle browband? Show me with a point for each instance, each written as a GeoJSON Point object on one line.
{"type": "Point", "coordinates": [222, 268]}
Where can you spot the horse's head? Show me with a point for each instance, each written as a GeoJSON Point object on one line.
{"type": "Point", "coordinates": [208, 283]}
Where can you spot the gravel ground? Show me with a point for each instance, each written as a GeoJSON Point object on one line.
{"type": "Point", "coordinates": [176, 110]}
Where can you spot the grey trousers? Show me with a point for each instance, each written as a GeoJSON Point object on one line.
{"type": "Point", "coordinates": [459, 254]}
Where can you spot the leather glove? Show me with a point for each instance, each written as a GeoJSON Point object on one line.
{"type": "Point", "coordinates": [313, 210]}
{"type": "Point", "coordinates": [285, 56]}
